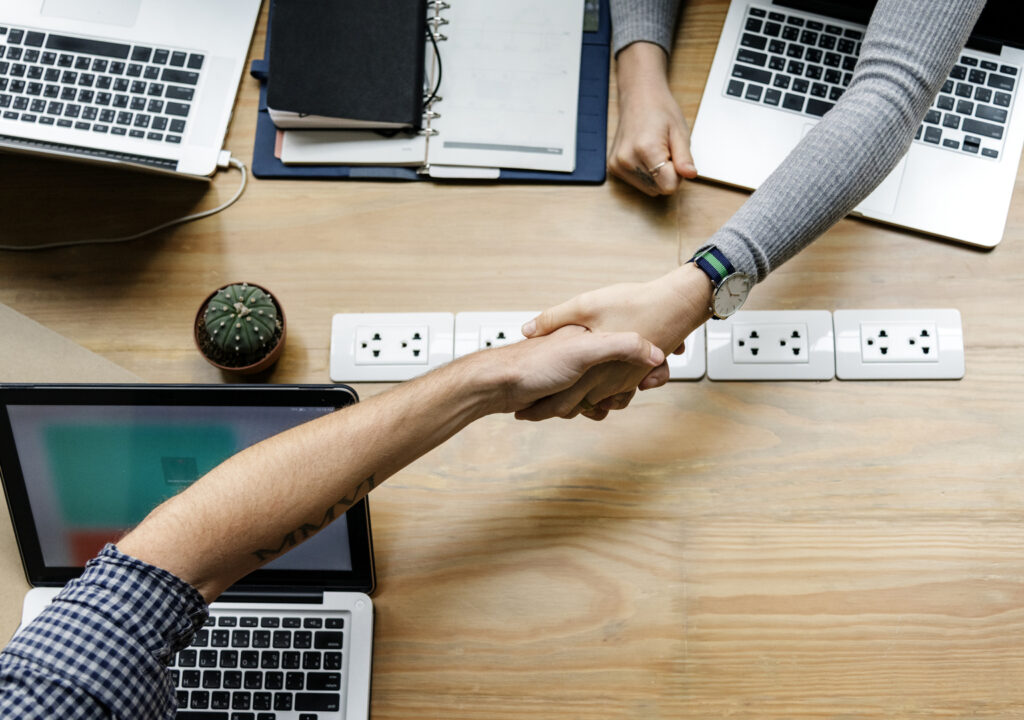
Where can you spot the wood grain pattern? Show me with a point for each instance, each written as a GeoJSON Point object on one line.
{"type": "Point", "coordinates": [761, 550]}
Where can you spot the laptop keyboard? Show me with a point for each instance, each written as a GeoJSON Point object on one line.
{"type": "Point", "coordinates": [804, 65]}
{"type": "Point", "coordinates": [97, 86]}
{"type": "Point", "coordinates": [262, 666]}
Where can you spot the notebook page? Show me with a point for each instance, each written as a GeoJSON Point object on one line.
{"type": "Point", "coordinates": [351, 147]}
{"type": "Point", "coordinates": [509, 85]}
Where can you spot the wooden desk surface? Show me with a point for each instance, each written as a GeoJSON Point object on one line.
{"type": "Point", "coordinates": [763, 550]}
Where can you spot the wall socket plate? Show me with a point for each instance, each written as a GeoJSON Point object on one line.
{"type": "Point", "coordinates": [692, 364]}
{"type": "Point", "coordinates": [899, 344]}
{"type": "Point", "coordinates": [771, 345]}
{"type": "Point", "coordinates": [389, 347]}
{"type": "Point", "coordinates": [481, 330]}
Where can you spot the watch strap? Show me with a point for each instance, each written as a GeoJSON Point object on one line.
{"type": "Point", "coordinates": [714, 264]}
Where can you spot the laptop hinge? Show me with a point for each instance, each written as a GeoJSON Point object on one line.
{"type": "Point", "coordinates": [311, 597]}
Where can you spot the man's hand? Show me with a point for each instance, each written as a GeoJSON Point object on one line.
{"type": "Point", "coordinates": [665, 310]}
{"type": "Point", "coordinates": [651, 148]}
{"type": "Point", "coordinates": [525, 372]}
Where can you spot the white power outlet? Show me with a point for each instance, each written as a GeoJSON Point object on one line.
{"type": "Point", "coordinates": [771, 345]}
{"type": "Point", "coordinates": [386, 347]}
{"type": "Point", "coordinates": [397, 345]}
{"type": "Point", "coordinates": [882, 342]}
{"type": "Point", "coordinates": [482, 330]}
{"type": "Point", "coordinates": [899, 344]}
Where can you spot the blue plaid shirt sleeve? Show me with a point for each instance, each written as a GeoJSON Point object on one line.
{"type": "Point", "coordinates": [101, 648]}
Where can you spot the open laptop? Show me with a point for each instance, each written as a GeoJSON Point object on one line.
{"type": "Point", "coordinates": [780, 66]}
{"type": "Point", "coordinates": [82, 464]}
{"type": "Point", "coordinates": [147, 84]}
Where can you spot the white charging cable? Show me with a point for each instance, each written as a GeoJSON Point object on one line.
{"type": "Point", "coordinates": [224, 163]}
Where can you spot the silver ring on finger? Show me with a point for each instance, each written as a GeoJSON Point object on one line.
{"type": "Point", "coordinates": [654, 170]}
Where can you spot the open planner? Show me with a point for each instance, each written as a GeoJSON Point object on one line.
{"type": "Point", "coordinates": [505, 81]}
{"type": "Point", "coordinates": [469, 104]}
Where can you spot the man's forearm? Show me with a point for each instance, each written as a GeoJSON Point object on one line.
{"type": "Point", "coordinates": [276, 494]}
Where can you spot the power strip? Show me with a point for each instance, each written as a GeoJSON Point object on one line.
{"type": "Point", "coordinates": [750, 345]}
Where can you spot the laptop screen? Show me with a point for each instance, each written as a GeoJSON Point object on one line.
{"type": "Point", "coordinates": [88, 464]}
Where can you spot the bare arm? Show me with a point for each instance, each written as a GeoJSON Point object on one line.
{"type": "Point", "coordinates": [278, 493]}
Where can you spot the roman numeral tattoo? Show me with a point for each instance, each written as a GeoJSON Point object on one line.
{"type": "Point", "coordinates": [307, 530]}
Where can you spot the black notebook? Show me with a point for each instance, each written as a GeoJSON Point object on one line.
{"type": "Point", "coordinates": [347, 63]}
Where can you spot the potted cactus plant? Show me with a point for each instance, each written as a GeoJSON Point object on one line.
{"type": "Point", "coordinates": [240, 328]}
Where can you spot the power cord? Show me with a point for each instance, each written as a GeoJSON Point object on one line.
{"type": "Point", "coordinates": [225, 161]}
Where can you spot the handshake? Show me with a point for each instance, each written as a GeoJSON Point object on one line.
{"type": "Point", "coordinates": [590, 355]}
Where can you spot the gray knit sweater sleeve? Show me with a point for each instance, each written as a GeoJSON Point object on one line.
{"type": "Point", "coordinates": [908, 50]}
{"type": "Point", "coordinates": [643, 20]}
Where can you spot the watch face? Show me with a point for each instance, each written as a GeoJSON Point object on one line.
{"type": "Point", "coordinates": [731, 294]}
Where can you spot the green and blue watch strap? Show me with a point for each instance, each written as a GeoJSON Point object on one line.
{"type": "Point", "coordinates": [715, 264]}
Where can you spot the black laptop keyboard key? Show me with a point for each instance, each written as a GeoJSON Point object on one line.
{"type": "Point", "coordinates": [311, 660]}
{"type": "Point", "coordinates": [777, 46]}
{"type": "Point", "coordinates": [809, 38]}
{"type": "Point", "coordinates": [15, 36]}
{"type": "Point", "coordinates": [959, 72]}
{"type": "Point", "coordinates": [964, 90]}
{"type": "Point", "coordinates": [944, 102]}
{"type": "Point", "coordinates": [790, 33]}
{"type": "Point", "coordinates": [317, 702]}
{"type": "Point", "coordinates": [932, 135]}
{"type": "Point", "coordinates": [735, 88]}
{"type": "Point", "coordinates": [965, 107]}
{"type": "Point", "coordinates": [240, 638]}
{"type": "Point", "coordinates": [933, 117]}
{"type": "Point", "coordinates": [795, 51]}
{"type": "Point", "coordinates": [232, 679]}
{"type": "Point", "coordinates": [745, 72]}
{"type": "Point", "coordinates": [983, 128]}
{"type": "Point", "coordinates": [177, 59]}
{"type": "Point", "coordinates": [14, 53]}
{"type": "Point", "coordinates": [977, 77]}
{"type": "Point", "coordinates": [990, 153]}
{"type": "Point", "coordinates": [753, 92]}
{"type": "Point", "coordinates": [800, 85]}
{"type": "Point", "coordinates": [793, 102]}
{"type": "Point", "coordinates": [795, 67]}
{"type": "Point", "coordinates": [1000, 82]}
{"type": "Point", "coordinates": [1002, 99]}
{"type": "Point", "coordinates": [781, 81]}
{"type": "Point", "coordinates": [772, 97]}
{"type": "Point", "coordinates": [987, 112]}
{"type": "Point", "coordinates": [753, 25]}
{"type": "Point", "coordinates": [294, 681]}
{"type": "Point", "coordinates": [772, 29]}
{"type": "Point", "coordinates": [1007, 69]}
{"type": "Point", "coordinates": [827, 42]}
{"type": "Point", "coordinates": [291, 660]}
{"type": "Point", "coordinates": [745, 55]}
{"type": "Point", "coordinates": [950, 120]}
{"type": "Point", "coordinates": [69, 44]}
{"type": "Point", "coordinates": [201, 715]}
{"type": "Point", "coordinates": [748, 40]}
{"type": "Point", "coordinates": [249, 659]}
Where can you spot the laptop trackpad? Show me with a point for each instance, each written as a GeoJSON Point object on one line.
{"type": "Point", "coordinates": [882, 202]}
{"type": "Point", "coordinates": [107, 12]}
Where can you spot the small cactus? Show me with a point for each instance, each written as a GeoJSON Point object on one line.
{"type": "Point", "coordinates": [241, 320]}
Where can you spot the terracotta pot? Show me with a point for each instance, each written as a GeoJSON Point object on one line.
{"type": "Point", "coordinates": [199, 333]}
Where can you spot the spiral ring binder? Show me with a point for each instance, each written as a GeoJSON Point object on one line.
{"type": "Point", "coordinates": [435, 20]}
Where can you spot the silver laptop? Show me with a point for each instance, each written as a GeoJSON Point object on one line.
{"type": "Point", "coordinates": [780, 66]}
{"type": "Point", "coordinates": [147, 84]}
{"type": "Point", "coordinates": [81, 464]}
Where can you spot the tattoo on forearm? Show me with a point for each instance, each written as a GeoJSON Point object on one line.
{"type": "Point", "coordinates": [307, 530]}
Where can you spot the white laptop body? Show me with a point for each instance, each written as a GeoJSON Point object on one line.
{"type": "Point", "coordinates": [935, 189]}
{"type": "Point", "coordinates": [218, 31]}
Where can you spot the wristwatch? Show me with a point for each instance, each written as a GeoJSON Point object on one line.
{"type": "Point", "coordinates": [730, 287]}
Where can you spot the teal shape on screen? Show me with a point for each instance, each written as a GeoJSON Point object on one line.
{"type": "Point", "coordinates": [111, 476]}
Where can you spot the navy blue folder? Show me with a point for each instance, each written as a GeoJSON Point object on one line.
{"type": "Point", "coordinates": [591, 127]}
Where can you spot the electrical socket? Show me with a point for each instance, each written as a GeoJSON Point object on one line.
{"type": "Point", "coordinates": [771, 345]}
{"type": "Point", "coordinates": [899, 344]}
{"type": "Point", "coordinates": [482, 330]}
{"type": "Point", "coordinates": [387, 347]}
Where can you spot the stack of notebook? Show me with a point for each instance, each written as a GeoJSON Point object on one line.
{"type": "Point", "coordinates": [503, 91]}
